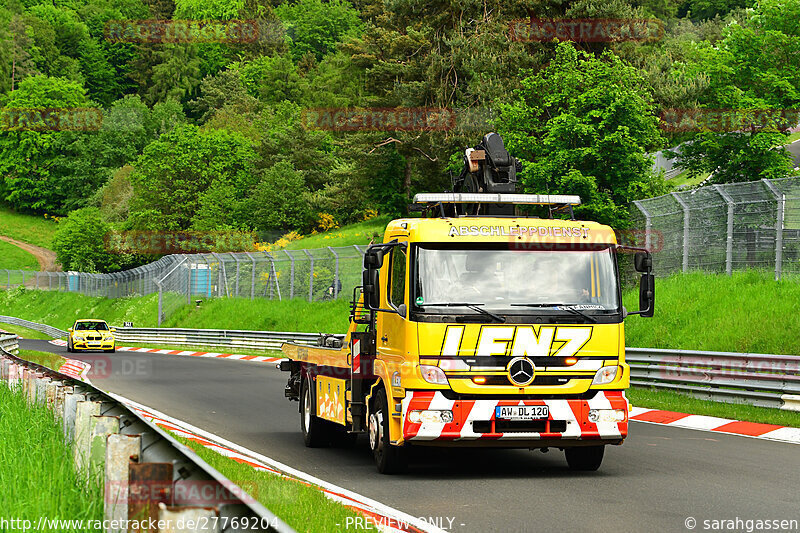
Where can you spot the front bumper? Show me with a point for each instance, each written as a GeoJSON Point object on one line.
{"type": "Point", "coordinates": [92, 345]}
{"type": "Point", "coordinates": [474, 420]}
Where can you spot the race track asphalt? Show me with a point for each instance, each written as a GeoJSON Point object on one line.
{"type": "Point", "coordinates": [655, 481]}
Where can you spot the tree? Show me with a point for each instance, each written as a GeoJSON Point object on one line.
{"type": "Point", "coordinates": [174, 173]}
{"type": "Point", "coordinates": [583, 126]}
{"type": "Point", "coordinates": [177, 75]}
{"type": "Point", "coordinates": [280, 199]}
{"type": "Point", "coordinates": [315, 27]}
{"type": "Point", "coordinates": [755, 68]}
{"type": "Point", "coordinates": [80, 243]}
{"type": "Point", "coordinates": [28, 155]}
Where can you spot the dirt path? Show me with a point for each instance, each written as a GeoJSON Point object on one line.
{"type": "Point", "coordinates": [46, 258]}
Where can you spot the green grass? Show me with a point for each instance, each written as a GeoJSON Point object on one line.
{"type": "Point", "coordinates": [27, 228]}
{"type": "Point", "coordinates": [265, 315]}
{"type": "Point", "coordinates": [360, 233]}
{"type": "Point", "coordinates": [37, 477]}
{"type": "Point", "coordinates": [61, 309]}
{"type": "Point", "coordinates": [746, 312]}
{"type": "Point", "coordinates": [25, 333]}
{"type": "Point", "coordinates": [687, 181]}
{"type": "Point", "coordinates": [302, 507]}
{"type": "Point", "coordinates": [682, 403]}
{"type": "Point", "coordinates": [793, 137]}
{"type": "Point", "coordinates": [15, 258]}
{"type": "Point", "coordinates": [50, 360]}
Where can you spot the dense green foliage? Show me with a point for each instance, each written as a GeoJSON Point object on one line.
{"type": "Point", "coordinates": [230, 134]}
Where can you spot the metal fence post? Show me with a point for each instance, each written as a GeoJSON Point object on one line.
{"type": "Point", "coordinates": [685, 263]}
{"type": "Point", "coordinates": [729, 242]}
{"type": "Point", "coordinates": [235, 258]}
{"type": "Point", "coordinates": [274, 275]}
{"type": "Point", "coordinates": [291, 275]}
{"type": "Point", "coordinates": [252, 275]}
{"type": "Point", "coordinates": [335, 275]}
{"type": "Point", "coordinates": [310, 276]}
{"type": "Point", "coordinates": [647, 223]}
{"type": "Point", "coordinates": [781, 201]}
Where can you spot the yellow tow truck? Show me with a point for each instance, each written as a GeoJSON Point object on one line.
{"type": "Point", "coordinates": [476, 325]}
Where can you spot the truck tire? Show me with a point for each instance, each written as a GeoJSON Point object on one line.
{"type": "Point", "coordinates": [584, 458]}
{"type": "Point", "coordinates": [389, 459]}
{"type": "Point", "coordinates": [316, 432]}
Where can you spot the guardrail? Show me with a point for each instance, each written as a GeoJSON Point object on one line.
{"type": "Point", "coordinates": [147, 473]}
{"type": "Point", "coordinates": [9, 343]}
{"type": "Point", "coordinates": [42, 328]}
{"type": "Point", "coordinates": [229, 339]}
{"type": "Point", "coordinates": [764, 380]}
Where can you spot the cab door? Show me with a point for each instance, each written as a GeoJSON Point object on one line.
{"type": "Point", "coordinates": [391, 327]}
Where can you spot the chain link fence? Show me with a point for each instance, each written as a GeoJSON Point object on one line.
{"type": "Point", "coordinates": [314, 274]}
{"type": "Point", "coordinates": [721, 228]}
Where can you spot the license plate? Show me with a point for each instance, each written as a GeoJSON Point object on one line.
{"type": "Point", "coordinates": [521, 412]}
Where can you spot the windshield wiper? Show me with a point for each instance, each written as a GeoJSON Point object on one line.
{"type": "Point", "coordinates": [560, 306]}
{"type": "Point", "coordinates": [474, 306]}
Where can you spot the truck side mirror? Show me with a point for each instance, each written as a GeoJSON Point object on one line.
{"type": "Point", "coordinates": [643, 262]}
{"type": "Point", "coordinates": [373, 258]}
{"type": "Point", "coordinates": [647, 295]}
{"type": "Point", "coordinates": [371, 288]}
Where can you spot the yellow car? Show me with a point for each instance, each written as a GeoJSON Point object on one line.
{"type": "Point", "coordinates": [91, 335]}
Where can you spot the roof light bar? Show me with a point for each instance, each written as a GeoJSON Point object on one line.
{"type": "Point", "coordinates": [493, 198]}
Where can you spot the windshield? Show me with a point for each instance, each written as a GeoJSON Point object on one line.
{"type": "Point", "coordinates": [91, 326]}
{"type": "Point", "coordinates": [514, 280]}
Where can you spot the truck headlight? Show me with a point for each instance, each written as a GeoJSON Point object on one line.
{"type": "Point", "coordinates": [431, 416]}
{"type": "Point", "coordinates": [433, 374]}
{"type": "Point", "coordinates": [605, 375]}
{"type": "Point", "coordinates": [606, 415]}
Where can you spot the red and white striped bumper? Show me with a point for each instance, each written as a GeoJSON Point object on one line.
{"type": "Point", "coordinates": [475, 419]}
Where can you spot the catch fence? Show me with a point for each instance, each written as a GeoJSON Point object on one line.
{"type": "Point", "coordinates": [722, 228]}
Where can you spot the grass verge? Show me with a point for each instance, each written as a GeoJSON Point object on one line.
{"type": "Point", "coordinates": [746, 312]}
{"type": "Point", "coordinates": [24, 332]}
{"type": "Point", "coordinates": [50, 360]}
{"type": "Point", "coordinates": [302, 507]}
{"type": "Point", "coordinates": [360, 233]}
{"type": "Point", "coordinates": [15, 258]}
{"type": "Point", "coordinates": [37, 478]}
{"type": "Point", "coordinates": [683, 403]}
{"type": "Point", "coordinates": [27, 228]}
{"type": "Point", "coordinates": [61, 309]}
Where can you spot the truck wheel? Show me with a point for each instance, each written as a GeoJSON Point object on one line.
{"type": "Point", "coordinates": [388, 458]}
{"type": "Point", "coordinates": [585, 458]}
{"type": "Point", "coordinates": [316, 433]}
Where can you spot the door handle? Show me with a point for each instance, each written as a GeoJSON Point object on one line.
{"type": "Point", "coordinates": [385, 339]}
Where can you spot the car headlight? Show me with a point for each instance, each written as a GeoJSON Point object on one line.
{"type": "Point", "coordinates": [433, 374]}
{"type": "Point", "coordinates": [605, 375]}
{"type": "Point", "coordinates": [77, 337]}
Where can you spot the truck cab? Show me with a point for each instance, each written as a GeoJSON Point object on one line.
{"type": "Point", "coordinates": [479, 330]}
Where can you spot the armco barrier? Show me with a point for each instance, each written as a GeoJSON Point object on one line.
{"type": "Point", "coordinates": [228, 339]}
{"type": "Point", "coordinates": [758, 379]}
{"type": "Point", "coordinates": [42, 328]}
{"type": "Point", "coordinates": [764, 380]}
{"type": "Point", "coordinates": [9, 343]}
{"type": "Point", "coordinates": [147, 473]}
